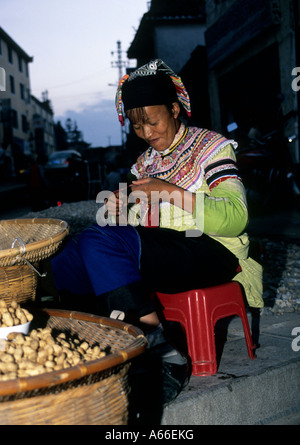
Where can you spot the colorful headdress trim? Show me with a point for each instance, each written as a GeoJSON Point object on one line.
{"type": "Point", "coordinates": [152, 68]}
{"type": "Point", "coordinates": [119, 99]}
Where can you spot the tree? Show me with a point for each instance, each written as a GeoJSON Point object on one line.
{"type": "Point", "coordinates": [69, 137]}
{"type": "Point", "coordinates": [73, 134]}
{"type": "Point", "coordinates": [60, 136]}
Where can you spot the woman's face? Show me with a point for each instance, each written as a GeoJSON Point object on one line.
{"type": "Point", "coordinates": [156, 125]}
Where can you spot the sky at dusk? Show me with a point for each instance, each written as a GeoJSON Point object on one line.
{"type": "Point", "coordinates": [71, 42]}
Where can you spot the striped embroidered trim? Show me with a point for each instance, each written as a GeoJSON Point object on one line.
{"type": "Point", "coordinates": [222, 169]}
{"type": "Point", "coordinates": [215, 183]}
{"type": "Point", "coordinates": [220, 162]}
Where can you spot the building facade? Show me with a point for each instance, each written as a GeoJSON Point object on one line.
{"type": "Point", "coordinates": [240, 60]}
{"type": "Point", "coordinates": [174, 31]}
{"type": "Point", "coordinates": [170, 31]}
{"type": "Point", "coordinates": [42, 126]}
{"type": "Point", "coordinates": [26, 124]}
{"type": "Point", "coordinates": [252, 51]}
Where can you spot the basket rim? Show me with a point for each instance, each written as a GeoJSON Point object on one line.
{"type": "Point", "coordinates": [30, 247]}
{"type": "Point", "coordinates": [49, 379]}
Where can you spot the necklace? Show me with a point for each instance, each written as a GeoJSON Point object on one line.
{"type": "Point", "coordinates": [175, 141]}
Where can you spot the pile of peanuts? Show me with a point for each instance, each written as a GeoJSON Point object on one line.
{"type": "Point", "coordinates": [11, 314]}
{"type": "Point", "coordinates": [40, 351]}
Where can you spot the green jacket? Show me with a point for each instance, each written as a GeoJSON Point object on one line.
{"type": "Point", "coordinates": [222, 214]}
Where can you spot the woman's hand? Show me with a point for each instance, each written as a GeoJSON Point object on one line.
{"type": "Point", "coordinates": [144, 189]}
{"type": "Point", "coordinates": [116, 202]}
{"type": "Point", "coordinates": [149, 191]}
{"type": "Point", "coordinates": [156, 190]}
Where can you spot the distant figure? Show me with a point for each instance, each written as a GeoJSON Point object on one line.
{"type": "Point", "coordinates": [10, 171]}
{"type": "Point", "coordinates": [112, 178]}
{"type": "Point", "coordinates": [38, 184]}
{"type": "Point", "coordinates": [2, 162]}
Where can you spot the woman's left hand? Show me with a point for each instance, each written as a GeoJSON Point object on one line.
{"type": "Point", "coordinates": [144, 189]}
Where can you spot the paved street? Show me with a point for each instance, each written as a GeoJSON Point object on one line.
{"type": "Point", "coordinates": [265, 391]}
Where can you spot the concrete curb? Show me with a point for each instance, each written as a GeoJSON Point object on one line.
{"type": "Point", "coordinates": [255, 400]}
{"type": "Point", "coordinates": [265, 391]}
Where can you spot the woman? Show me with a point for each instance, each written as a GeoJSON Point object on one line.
{"type": "Point", "coordinates": [189, 176]}
{"type": "Point", "coordinates": [198, 167]}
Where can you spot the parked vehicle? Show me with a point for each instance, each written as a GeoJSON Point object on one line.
{"type": "Point", "coordinates": [62, 159]}
{"type": "Point", "coordinates": [266, 170]}
{"type": "Point", "coordinates": [66, 171]}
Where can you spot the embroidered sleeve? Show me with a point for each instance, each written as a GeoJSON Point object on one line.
{"type": "Point", "coordinates": [224, 209]}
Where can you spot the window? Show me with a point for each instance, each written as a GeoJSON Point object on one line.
{"type": "Point", "coordinates": [12, 84]}
{"type": "Point", "coordinates": [14, 119]}
{"type": "Point", "coordinates": [28, 97]}
{"type": "Point", "coordinates": [22, 91]}
{"type": "Point", "coordinates": [20, 60]}
{"type": "Point", "coordinates": [24, 123]}
{"type": "Point", "coordinates": [2, 80]}
{"type": "Point", "coordinates": [10, 54]}
{"type": "Point", "coordinates": [51, 130]}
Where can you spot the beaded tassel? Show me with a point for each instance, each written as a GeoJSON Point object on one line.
{"type": "Point", "coordinates": [182, 94]}
{"type": "Point", "coordinates": [119, 99]}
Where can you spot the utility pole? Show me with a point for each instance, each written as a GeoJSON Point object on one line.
{"type": "Point", "coordinates": [120, 64]}
{"type": "Point", "coordinates": [296, 5]}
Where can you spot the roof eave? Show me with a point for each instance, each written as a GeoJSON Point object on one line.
{"type": "Point", "coordinates": [15, 46]}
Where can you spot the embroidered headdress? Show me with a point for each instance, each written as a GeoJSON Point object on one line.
{"type": "Point", "coordinates": [151, 84]}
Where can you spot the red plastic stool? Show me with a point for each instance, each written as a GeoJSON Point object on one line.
{"type": "Point", "coordinates": [198, 311]}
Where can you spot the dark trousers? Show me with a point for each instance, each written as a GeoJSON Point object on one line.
{"type": "Point", "coordinates": [107, 268]}
{"type": "Point", "coordinates": [172, 262]}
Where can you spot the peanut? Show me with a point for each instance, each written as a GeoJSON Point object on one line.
{"type": "Point", "coordinates": [11, 314]}
{"type": "Point", "coordinates": [40, 352]}
{"type": "Point", "coordinates": [7, 319]}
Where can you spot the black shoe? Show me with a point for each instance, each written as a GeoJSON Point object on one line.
{"type": "Point", "coordinates": [174, 379]}
{"type": "Point", "coordinates": [154, 384]}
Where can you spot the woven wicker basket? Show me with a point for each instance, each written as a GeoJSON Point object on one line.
{"type": "Point", "coordinates": [95, 393]}
{"type": "Point", "coordinates": [23, 243]}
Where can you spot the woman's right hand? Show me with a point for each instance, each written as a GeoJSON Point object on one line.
{"type": "Point", "coordinates": [116, 202]}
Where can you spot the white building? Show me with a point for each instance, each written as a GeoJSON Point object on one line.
{"type": "Point", "coordinates": [20, 135]}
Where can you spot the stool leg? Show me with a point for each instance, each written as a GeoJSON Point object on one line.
{"type": "Point", "coordinates": [237, 309]}
{"type": "Point", "coordinates": [249, 342]}
{"type": "Point", "coordinates": [241, 312]}
{"type": "Point", "coordinates": [189, 311]}
{"type": "Point", "coordinates": [202, 336]}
